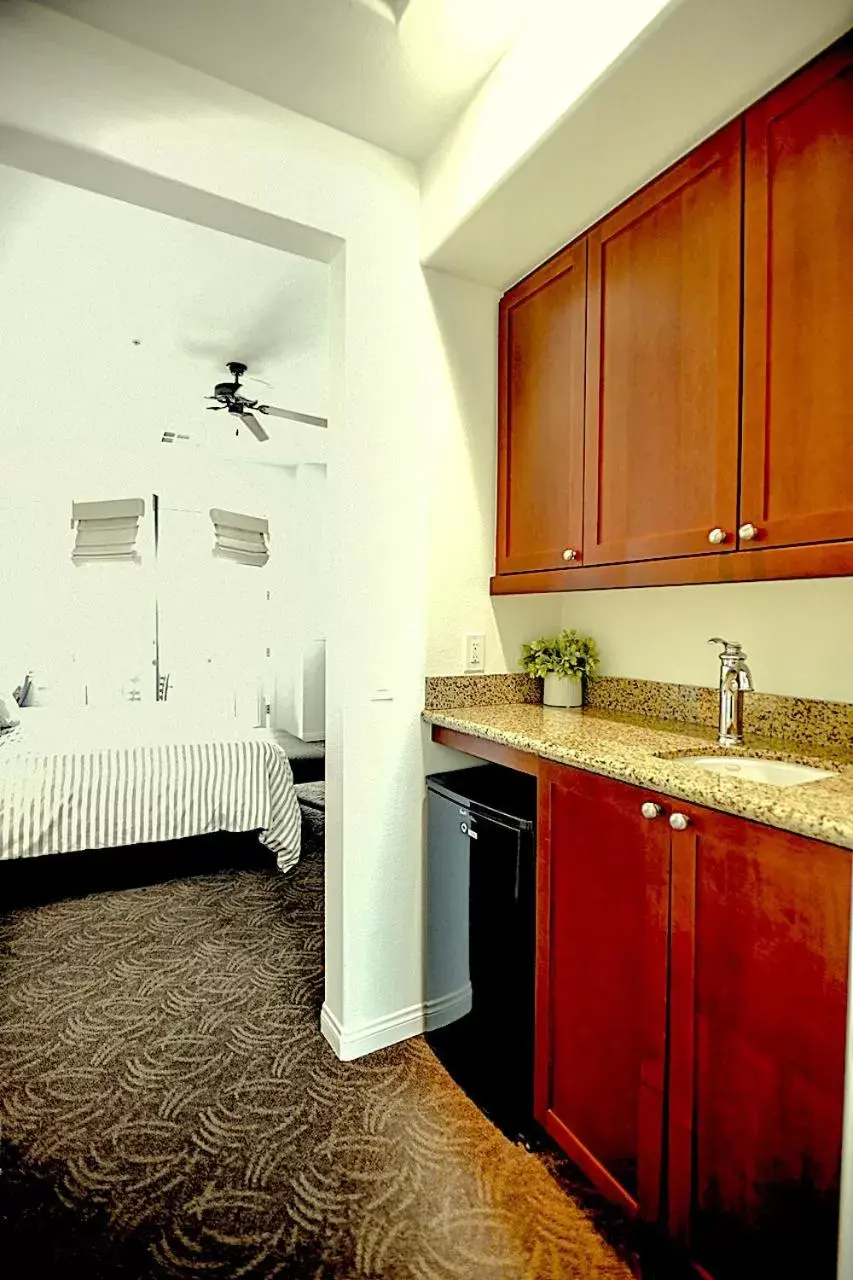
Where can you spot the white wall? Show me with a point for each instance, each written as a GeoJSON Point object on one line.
{"type": "Point", "coordinates": [105, 113]}
{"type": "Point", "coordinates": [302, 609]}
{"type": "Point", "coordinates": [463, 456]}
{"type": "Point", "coordinates": [590, 103]}
{"type": "Point", "coordinates": [57, 614]}
{"type": "Point", "coordinates": [561, 51]}
{"type": "Point", "coordinates": [105, 355]}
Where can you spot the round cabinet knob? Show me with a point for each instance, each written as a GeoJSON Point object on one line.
{"type": "Point", "coordinates": [717, 536]}
{"type": "Point", "coordinates": [747, 532]}
{"type": "Point", "coordinates": [570, 554]}
{"type": "Point", "coordinates": [679, 821]}
{"type": "Point", "coordinates": [650, 809]}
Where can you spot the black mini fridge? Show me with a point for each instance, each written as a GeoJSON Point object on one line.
{"type": "Point", "coordinates": [481, 879]}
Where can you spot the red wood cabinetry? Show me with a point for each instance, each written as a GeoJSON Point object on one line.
{"type": "Point", "coordinates": [601, 981]}
{"type": "Point", "coordinates": [663, 363]}
{"type": "Point", "coordinates": [699, 427]}
{"type": "Point", "coordinates": [798, 306]}
{"type": "Point", "coordinates": [540, 439]}
{"type": "Point", "coordinates": [691, 1018]}
{"type": "Point", "coordinates": [758, 1007]}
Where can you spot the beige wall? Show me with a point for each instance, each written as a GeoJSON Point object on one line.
{"type": "Point", "coordinates": [799, 635]}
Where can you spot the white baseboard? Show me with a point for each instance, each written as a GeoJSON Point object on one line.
{"type": "Point", "coordinates": [354, 1042]}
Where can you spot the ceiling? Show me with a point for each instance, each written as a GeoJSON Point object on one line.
{"type": "Point", "coordinates": [396, 73]}
{"type": "Point", "coordinates": [101, 353]}
{"type": "Point", "coordinates": [608, 123]}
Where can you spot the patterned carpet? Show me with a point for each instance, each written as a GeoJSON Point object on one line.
{"type": "Point", "coordinates": [169, 1108]}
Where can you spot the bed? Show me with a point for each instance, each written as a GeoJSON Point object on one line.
{"type": "Point", "coordinates": [90, 780]}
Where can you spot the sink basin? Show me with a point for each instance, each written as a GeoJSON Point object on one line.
{"type": "Point", "coordinates": [779, 773]}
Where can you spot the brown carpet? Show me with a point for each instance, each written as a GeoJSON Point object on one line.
{"type": "Point", "coordinates": [169, 1108]}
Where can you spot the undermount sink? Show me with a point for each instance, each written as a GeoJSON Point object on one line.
{"type": "Point", "coordinates": [778, 773]}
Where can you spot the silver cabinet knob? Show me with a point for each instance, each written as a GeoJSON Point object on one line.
{"type": "Point", "coordinates": [570, 554]}
{"type": "Point", "coordinates": [679, 821]}
{"type": "Point", "coordinates": [717, 535]}
{"type": "Point", "coordinates": [651, 810]}
{"type": "Point", "coordinates": [747, 532]}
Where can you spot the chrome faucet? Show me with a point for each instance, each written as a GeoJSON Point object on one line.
{"type": "Point", "coordinates": [735, 677]}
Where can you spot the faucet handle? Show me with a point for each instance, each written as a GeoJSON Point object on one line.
{"type": "Point", "coordinates": [731, 648]}
{"type": "Point", "coordinates": [744, 678]}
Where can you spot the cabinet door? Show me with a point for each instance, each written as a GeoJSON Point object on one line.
{"type": "Point", "coordinates": [663, 363]}
{"type": "Point", "coordinates": [760, 936]}
{"type": "Point", "coordinates": [541, 417]}
{"type": "Point", "coordinates": [602, 911]}
{"type": "Point", "coordinates": [798, 309]}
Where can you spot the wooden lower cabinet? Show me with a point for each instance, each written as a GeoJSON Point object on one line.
{"type": "Point", "coordinates": [601, 982]}
{"type": "Point", "coordinates": [691, 1021]}
{"type": "Point", "coordinates": [761, 928]}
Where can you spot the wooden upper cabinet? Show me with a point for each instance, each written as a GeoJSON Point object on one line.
{"type": "Point", "coordinates": [541, 417]}
{"type": "Point", "coordinates": [797, 484]}
{"type": "Point", "coordinates": [663, 363]}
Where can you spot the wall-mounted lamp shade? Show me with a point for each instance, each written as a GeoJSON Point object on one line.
{"type": "Point", "coordinates": [106, 530]}
{"type": "Point", "coordinates": [240, 538]}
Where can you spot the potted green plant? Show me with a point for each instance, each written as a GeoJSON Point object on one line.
{"type": "Point", "coordinates": [563, 661]}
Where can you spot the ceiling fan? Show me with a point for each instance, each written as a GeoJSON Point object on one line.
{"type": "Point", "coordinates": [228, 396]}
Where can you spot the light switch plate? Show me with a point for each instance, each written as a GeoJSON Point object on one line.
{"type": "Point", "coordinates": [475, 653]}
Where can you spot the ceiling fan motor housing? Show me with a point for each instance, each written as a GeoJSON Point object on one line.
{"type": "Point", "coordinates": [228, 396]}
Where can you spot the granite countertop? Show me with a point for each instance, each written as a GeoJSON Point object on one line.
{"type": "Point", "coordinates": [627, 747]}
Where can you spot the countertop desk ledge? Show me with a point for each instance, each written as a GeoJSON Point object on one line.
{"type": "Point", "coordinates": [628, 748]}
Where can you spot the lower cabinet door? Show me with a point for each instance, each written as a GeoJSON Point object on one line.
{"type": "Point", "coordinates": [758, 1008]}
{"type": "Point", "coordinates": [602, 911]}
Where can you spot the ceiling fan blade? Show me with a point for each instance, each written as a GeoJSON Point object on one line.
{"type": "Point", "coordinates": [292, 415]}
{"type": "Point", "coordinates": [249, 420]}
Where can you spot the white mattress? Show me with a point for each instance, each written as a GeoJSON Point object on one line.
{"type": "Point", "coordinates": [96, 780]}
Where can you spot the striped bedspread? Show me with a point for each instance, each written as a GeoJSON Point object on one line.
{"type": "Point", "coordinates": [86, 781]}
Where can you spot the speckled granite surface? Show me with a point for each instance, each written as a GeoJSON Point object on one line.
{"type": "Point", "coordinates": [804, 721]}
{"type": "Point", "coordinates": [477, 691]}
{"type": "Point", "coordinates": [628, 748]}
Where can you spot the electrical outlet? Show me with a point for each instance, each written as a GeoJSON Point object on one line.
{"type": "Point", "coordinates": [475, 653]}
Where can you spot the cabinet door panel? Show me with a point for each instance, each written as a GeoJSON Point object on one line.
{"type": "Point", "coordinates": [663, 359]}
{"type": "Point", "coordinates": [798, 309]}
{"type": "Point", "coordinates": [769, 916]}
{"type": "Point", "coordinates": [601, 988]}
{"type": "Point", "coordinates": [541, 417]}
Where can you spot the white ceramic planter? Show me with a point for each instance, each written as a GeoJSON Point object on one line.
{"type": "Point", "coordinates": [560, 692]}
